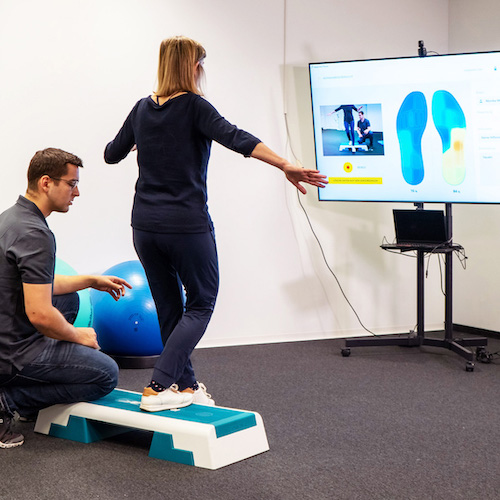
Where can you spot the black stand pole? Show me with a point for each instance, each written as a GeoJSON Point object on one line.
{"type": "Point", "coordinates": [448, 308]}
{"type": "Point", "coordinates": [456, 345]}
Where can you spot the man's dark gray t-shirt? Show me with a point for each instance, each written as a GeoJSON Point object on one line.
{"type": "Point", "coordinates": [27, 255]}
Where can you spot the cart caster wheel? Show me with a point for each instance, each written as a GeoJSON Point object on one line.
{"type": "Point", "coordinates": [469, 367]}
{"type": "Point", "coordinates": [346, 352]}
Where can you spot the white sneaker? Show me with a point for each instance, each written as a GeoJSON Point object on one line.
{"type": "Point", "coordinates": [201, 396]}
{"type": "Point", "coordinates": [166, 400]}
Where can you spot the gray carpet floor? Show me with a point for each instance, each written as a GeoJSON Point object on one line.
{"type": "Point", "coordinates": [384, 423]}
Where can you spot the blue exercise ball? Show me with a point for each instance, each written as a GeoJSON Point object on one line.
{"type": "Point", "coordinates": [129, 326]}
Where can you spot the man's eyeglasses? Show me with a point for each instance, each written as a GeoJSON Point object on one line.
{"type": "Point", "coordinates": [72, 183]}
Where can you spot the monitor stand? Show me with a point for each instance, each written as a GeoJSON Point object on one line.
{"type": "Point", "coordinates": [457, 345]}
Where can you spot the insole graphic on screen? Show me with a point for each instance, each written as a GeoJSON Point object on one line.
{"type": "Point", "coordinates": [449, 120]}
{"type": "Point", "coordinates": [410, 126]}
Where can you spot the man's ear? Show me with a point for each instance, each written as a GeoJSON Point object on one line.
{"type": "Point", "coordinates": [43, 183]}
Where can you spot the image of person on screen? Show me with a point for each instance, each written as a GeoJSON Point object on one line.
{"type": "Point", "coordinates": [364, 131]}
{"type": "Point", "coordinates": [348, 120]}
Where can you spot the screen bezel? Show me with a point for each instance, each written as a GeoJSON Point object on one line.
{"type": "Point", "coordinates": [391, 199]}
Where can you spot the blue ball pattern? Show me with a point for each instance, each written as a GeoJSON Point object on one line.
{"type": "Point", "coordinates": [129, 326]}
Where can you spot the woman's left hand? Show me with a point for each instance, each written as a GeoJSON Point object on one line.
{"type": "Point", "coordinates": [310, 176]}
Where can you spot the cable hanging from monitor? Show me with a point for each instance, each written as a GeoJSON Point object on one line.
{"type": "Point", "coordinates": [296, 159]}
{"type": "Point", "coordinates": [330, 269]}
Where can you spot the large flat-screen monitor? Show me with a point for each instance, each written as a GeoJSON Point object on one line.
{"type": "Point", "coordinates": [412, 129]}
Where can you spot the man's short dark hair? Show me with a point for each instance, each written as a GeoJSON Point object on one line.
{"type": "Point", "coordinates": [52, 162]}
{"type": "Point", "coordinates": [361, 113]}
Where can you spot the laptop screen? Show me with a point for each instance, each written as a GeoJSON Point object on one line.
{"type": "Point", "coordinates": [420, 226]}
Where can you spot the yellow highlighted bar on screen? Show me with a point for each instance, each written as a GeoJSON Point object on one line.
{"type": "Point", "coordinates": [354, 180]}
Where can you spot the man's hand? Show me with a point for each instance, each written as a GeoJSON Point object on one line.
{"type": "Point", "coordinates": [88, 337]}
{"type": "Point", "coordinates": [113, 285]}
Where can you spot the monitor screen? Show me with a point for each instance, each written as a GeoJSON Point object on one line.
{"type": "Point", "coordinates": [412, 129]}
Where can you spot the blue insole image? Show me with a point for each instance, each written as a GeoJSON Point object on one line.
{"type": "Point", "coordinates": [449, 120]}
{"type": "Point", "coordinates": [410, 126]}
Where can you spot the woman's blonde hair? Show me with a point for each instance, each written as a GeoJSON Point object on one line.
{"type": "Point", "coordinates": [177, 70]}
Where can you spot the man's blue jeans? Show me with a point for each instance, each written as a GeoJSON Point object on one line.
{"type": "Point", "coordinates": [63, 372]}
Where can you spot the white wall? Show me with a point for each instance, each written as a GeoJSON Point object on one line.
{"type": "Point", "coordinates": [380, 286]}
{"type": "Point", "coordinates": [474, 27]}
{"type": "Point", "coordinates": [72, 70]}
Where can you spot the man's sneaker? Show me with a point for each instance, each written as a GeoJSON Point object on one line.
{"type": "Point", "coordinates": [200, 396]}
{"type": "Point", "coordinates": [8, 439]}
{"type": "Point", "coordinates": [165, 400]}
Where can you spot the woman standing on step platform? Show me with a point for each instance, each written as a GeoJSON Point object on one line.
{"type": "Point", "coordinates": [172, 130]}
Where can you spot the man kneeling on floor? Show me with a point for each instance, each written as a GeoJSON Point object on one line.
{"type": "Point", "coordinates": [44, 359]}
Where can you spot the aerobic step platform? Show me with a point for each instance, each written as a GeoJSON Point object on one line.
{"type": "Point", "coordinates": [203, 436]}
{"type": "Point", "coordinates": [353, 147]}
